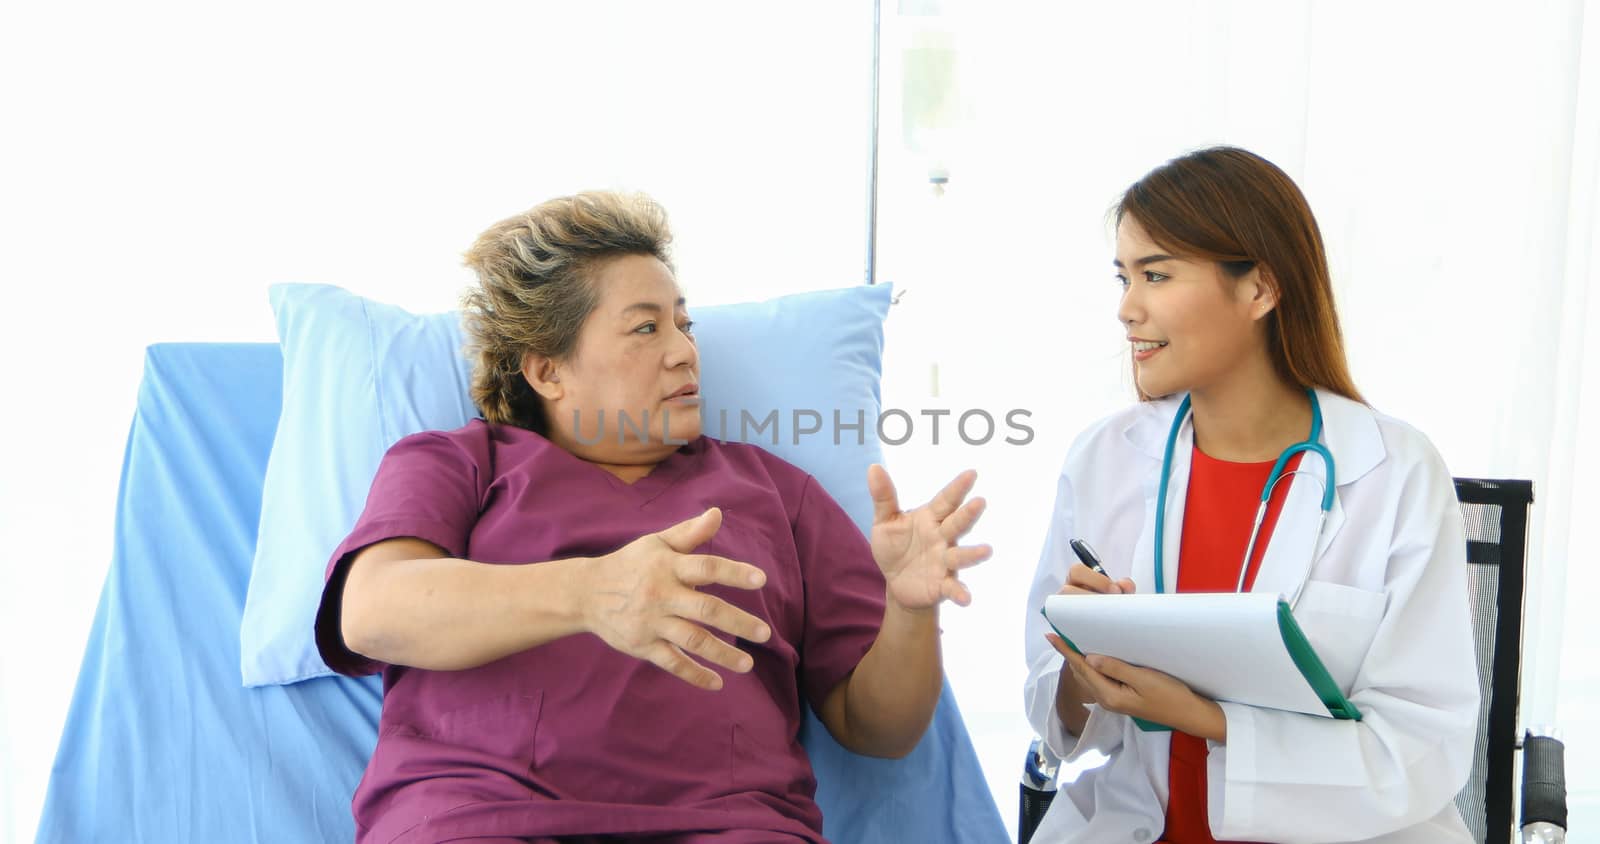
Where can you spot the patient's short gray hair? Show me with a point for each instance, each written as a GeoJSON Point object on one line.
{"type": "Point", "coordinates": [535, 272]}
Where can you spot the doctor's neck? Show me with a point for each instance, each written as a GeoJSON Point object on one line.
{"type": "Point", "coordinates": [1249, 416]}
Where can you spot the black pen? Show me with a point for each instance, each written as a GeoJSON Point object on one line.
{"type": "Point", "coordinates": [1089, 558]}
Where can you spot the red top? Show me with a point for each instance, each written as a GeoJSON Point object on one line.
{"type": "Point", "coordinates": [1217, 515]}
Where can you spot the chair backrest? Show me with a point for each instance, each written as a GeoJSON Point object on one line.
{"type": "Point", "coordinates": [1496, 514]}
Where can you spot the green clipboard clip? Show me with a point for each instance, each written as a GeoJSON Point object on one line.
{"type": "Point", "coordinates": [1311, 667]}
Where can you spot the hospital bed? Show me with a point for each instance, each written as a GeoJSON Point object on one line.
{"type": "Point", "coordinates": [164, 744]}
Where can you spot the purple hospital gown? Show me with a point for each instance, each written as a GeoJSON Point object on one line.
{"type": "Point", "coordinates": [572, 737]}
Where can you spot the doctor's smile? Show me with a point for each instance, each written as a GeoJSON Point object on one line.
{"type": "Point", "coordinates": [1143, 350]}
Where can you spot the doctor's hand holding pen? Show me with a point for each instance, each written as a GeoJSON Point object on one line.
{"type": "Point", "coordinates": [1118, 686]}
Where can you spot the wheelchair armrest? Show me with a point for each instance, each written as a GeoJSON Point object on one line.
{"type": "Point", "coordinates": [1037, 790]}
{"type": "Point", "coordinates": [1544, 781]}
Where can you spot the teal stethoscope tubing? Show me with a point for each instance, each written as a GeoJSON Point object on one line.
{"type": "Point", "coordinates": [1310, 444]}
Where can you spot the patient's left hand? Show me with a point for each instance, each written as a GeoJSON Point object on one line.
{"type": "Point", "coordinates": [917, 550]}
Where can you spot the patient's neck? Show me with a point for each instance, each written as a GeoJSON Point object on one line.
{"type": "Point", "coordinates": [627, 472]}
{"type": "Point", "coordinates": [628, 462]}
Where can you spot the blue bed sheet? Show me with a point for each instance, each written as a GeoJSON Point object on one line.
{"type": "Point", "coordinates": [164, 744]}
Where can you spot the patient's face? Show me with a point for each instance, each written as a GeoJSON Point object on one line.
{"type": "Point", "coordinates": [1204, 318]}
{"type": "Point", "coordinates": [635, 355]}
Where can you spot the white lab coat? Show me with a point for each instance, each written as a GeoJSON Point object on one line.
{"type": "Point", "coordinates": [1385, 607]}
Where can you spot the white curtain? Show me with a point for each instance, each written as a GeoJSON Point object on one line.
{"type": "Point", "coordinates": [162, 163]}
{"type": "Point", "coordinates": [1450, 152]}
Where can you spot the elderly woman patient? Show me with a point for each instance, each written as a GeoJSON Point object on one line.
{"type": "Point", "coordinates": [594, 629]}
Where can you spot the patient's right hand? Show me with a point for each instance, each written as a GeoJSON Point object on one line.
{"type": "Point", "coordinates": [641, 600]}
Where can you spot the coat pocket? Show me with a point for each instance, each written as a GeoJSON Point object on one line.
{"type": "Point", "coordinates": [1340, 622]}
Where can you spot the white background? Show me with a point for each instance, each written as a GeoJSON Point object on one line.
{"type": "Point", "coordinates": [161, 163]}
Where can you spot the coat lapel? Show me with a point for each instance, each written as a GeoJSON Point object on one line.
{"type": "Point", "coordinates": [1177, 497]}
{"type": "Point", "coordinates": [1148, 434]}
{"type": "Point", "coordinates": [1290, 552]}
{"type": "Point", "coordinates": [1350, 432]}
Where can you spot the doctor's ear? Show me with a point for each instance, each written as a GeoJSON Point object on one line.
{"type": "Point", "coordinates": [543, 375]}
{"type": "Point", "coordinates": [1260, 290]}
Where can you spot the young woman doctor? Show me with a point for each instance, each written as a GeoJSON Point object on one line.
{"type": "Point", "coordinates": [1238, 359]}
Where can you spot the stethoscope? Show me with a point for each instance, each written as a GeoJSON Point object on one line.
{"type": "Point", "coordinates": [1277, 474]}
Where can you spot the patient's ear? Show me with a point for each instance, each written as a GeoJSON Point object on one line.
{"type": "Point", "coordinates": [543, 375]}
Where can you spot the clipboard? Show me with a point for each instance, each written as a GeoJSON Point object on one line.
{"type": "Point", "coordinates": [1260, 628]}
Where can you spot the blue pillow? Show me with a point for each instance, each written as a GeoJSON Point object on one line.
{"type": "Point", "coordinates": [797, 375]}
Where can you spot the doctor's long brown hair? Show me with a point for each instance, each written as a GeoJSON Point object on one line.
{"type": "Point", "coordinates": [1234, 207]}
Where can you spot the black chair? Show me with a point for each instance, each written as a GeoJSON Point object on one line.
{"type": "Point", "coordinates": [1496, 515]}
